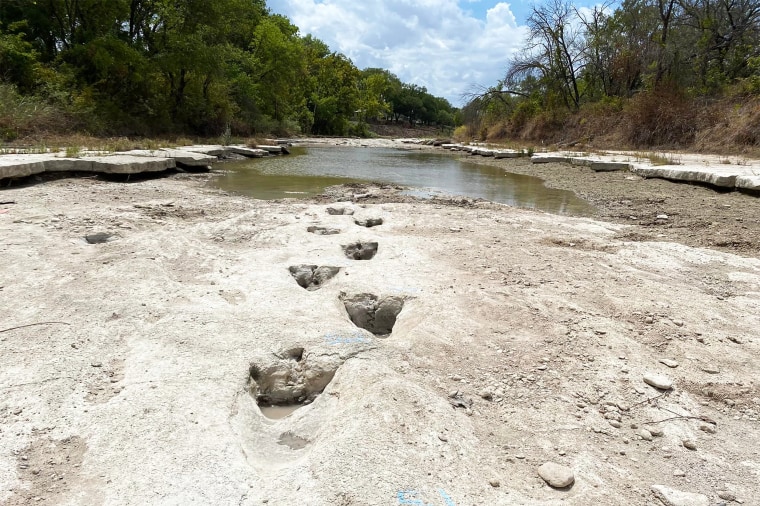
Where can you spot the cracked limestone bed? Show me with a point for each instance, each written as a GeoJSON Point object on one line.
{"type": "Point", "coordinates": [523, 338]}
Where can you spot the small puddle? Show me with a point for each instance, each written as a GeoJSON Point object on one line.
{"type": "Point", "coordinates": [308, 171]}
{"type": "Point", "coordinates": [279, 412]}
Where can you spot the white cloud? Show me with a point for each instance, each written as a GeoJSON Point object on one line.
{"type": "Point", "coordinates": [431, 43]}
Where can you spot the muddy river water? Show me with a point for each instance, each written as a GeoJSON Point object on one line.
{"type": "Point", "coordinates": [308, 171]}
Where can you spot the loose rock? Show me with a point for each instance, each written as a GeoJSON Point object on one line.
{"type": "Point", "coordinates": [707, 427]}
{"type": "Point", "coordinates": [658, 381]}
{"type": "Point", "coordinates": [369, 222]}
{"type": "Point", "coordinates": [556, 475]}
{"type": "Point", "coordinates": [668, 362]}
{"type": "Point", "coordinates": [340, 211]}
{"type": "Point", "coordinates": [673, 497]}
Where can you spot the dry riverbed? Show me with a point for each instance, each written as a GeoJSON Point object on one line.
{"type": "Point", "coordinates": [130, 365]}
{"type": "Point", "coordinates": [691, 214]}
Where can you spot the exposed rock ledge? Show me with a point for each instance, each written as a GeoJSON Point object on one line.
{"type": "Point", "coordinates": [129, 162]}
{"type": "Point", "coordinates": [719, 171]}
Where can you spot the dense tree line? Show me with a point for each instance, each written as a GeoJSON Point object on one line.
{"type": "Point", "coordinates": [149, 67]}
{"type": "Point", "coordinates": [649, 53]}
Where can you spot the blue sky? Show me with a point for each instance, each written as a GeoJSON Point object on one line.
{"type": "Point", "coordinates": [448, 46]}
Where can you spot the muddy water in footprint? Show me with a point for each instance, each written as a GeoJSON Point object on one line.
{"type": "Point", "coordinates": [308, 171]}
{"type": "Point", "coordinates": [279, 412]}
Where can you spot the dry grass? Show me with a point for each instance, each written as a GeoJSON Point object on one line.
{"type": "Point", "coordinates": [660, 120]}
{"type": "Point", "coordinates": [40, 143]}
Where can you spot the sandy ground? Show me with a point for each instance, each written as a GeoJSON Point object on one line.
{"type": "Point", "coordinates": [524, 339]}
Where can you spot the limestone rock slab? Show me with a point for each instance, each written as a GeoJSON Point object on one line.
{"type": "Point", "coordinates": [748, 182]}
{"type": "Point", "coordinates": [185, 158]}
{"type": "Point", "coordinates": [540, 158]}
{"type": "Point", "coordinates": [22, 165]}
{"type": "Point", "coordinates": [128, 164]}
{"type": "Point", "coordinates": [249, 152]}
{"type": "Point", "coordinates": [724, 177]}
{"type": "Point", "coordinates": [672, 497]}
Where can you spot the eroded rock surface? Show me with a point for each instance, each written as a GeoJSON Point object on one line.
{"type": "Point", "coordinates": [369, 312]}
{"type": "Point", "coordinates": [361, 250]}
{"type": "Point", "coordinates": [291, 377]}
{"type": "Point", "coordinates": [312, 277]}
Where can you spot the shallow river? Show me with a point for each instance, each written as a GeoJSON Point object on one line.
{"type": "Point", "coordinates": [308, 171]}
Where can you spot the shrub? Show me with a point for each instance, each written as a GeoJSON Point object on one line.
{"type": "Point", "coordinates": [661, 117]}
{"type": "Point", "coordinates": [20, 115]}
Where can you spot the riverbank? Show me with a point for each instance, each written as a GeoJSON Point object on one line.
{"type": "Point", "coordinates": [661, 210]}
{"type": "Point", "coordinates": [139, 318]}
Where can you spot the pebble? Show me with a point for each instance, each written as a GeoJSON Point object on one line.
{"type": "Point", "coordinates": [645, 435]}
{"type": "Point", "coordinates": [707, 427]}
{"type": "Point", "coordinates": [668, 362]}
{"type": "Point", "coordinates": [486, 394]}
{"type": "Point", "coordinates": [726, 495]}
{"type": "Point", "coordinates": [672, 497]}
{"type": "Point", "coordinates": [494, 483]}
{"type": "Point", "coordinates": [658, 381]}
{"type": "Point", "coordinates": [443, 438]}
{"type": "Point", "coordinates": [556, 475]}
{"type": "Point", "coordinates": [711, 369]}
{"type": "Point", "coordinates": [616, 424]}
{"type": "Point", "coordinates": [656, 432]}
{"type": "Point", "coordinates": [689, 444]}
{"type": "Point", "coordinates": [679, 473]}
{"type": "Point", "coordinates": [649, 320]}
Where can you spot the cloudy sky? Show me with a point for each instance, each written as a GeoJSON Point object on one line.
{"type": "Point", "coordinates": [448, 46]}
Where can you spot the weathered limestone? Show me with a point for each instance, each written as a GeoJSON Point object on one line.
{"type": "Point", "coordinates": [206, 149]}
{"type": "Point", "coordinates": [126, 164]}
{"type": "Point", "coordinates": [249, 152]}
{"type": "Point", "coordinates": [722, 176]}
{"type": "Point", "coordinates": [28, 165]}
{"type": "Point", "coordinates": [183, 158]}
{"type": "Point", "coordinates": [603, 166]}
{"type": "Point", "coordinates": [506, 153]}
{"type": "Point", "coordinates": [483, 151]}
{"type": "Point", "coordinates": [276, 150]}
{"type": "Point", "coordinates": [748, 182]}
{"type": "Point", "coordinates": [548, 158]}
{"type": "Point", "coordinates": [673, 497]}
{"type": "Point", "coordinates": [22, 165]}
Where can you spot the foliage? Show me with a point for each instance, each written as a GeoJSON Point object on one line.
{"type": "Point", "coordinates": [658, 57]}
{"type": "Point", "coordinates": [149, 67]}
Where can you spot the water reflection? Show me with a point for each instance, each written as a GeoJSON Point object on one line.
{"type": "Point", "coordinates": [308, 171]}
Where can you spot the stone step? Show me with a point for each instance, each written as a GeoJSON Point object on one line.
{"type": "Point", "coordinates": [250, 152]}
{"type": "Point", "coordinates": [182, 158]}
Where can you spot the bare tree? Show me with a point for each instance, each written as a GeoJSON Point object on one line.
{"type": "Point", "coordinates": [555, 51]}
